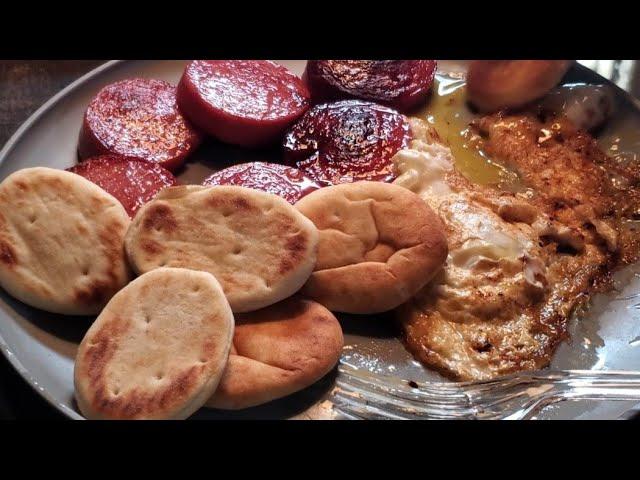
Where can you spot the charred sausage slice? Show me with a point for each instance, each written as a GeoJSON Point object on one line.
{"type": "Point", "coordinates": [399, 84]}
{"type": "Point", "coordinates": [138, 118]}
{"type": "Point", "coordinates": [287, 182]}
{"type": "Point", "coordinates": [346, 141]}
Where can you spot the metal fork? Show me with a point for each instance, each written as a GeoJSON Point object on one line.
{"type": "Point", "coordinates": [362, 394]}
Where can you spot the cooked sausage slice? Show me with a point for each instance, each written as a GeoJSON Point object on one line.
{"type": "Point", "coordinates": [132, 181]}
{"type": "Point", "coordinates": [138, 118]}
{"type": "Point", "coordinates": [346, 141]}
{"type": "Point", "coordinates": [287, 182]}
{"type": "Point", "coordinates": [400, 84]}
{"type": "Point", "coordinates": [249, 103]}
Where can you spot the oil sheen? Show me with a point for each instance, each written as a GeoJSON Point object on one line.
{"type": "Point", "coordinates": [449, 114]}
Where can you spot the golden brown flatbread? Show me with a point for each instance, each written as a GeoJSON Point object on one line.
{"type": "Point", "coordinates": [379, 245]}
{"type": "Point", "coordinates": [61, 241]}
{"type": "Point", "coordinates": [277, 351]}
{"type": "Point", "coordinates": [257, 245]}
{"type": "Point", "coordinates": [158, 349]}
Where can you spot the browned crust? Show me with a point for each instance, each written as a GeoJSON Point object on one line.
{"type": "Point", "coordinates": [7, 255]}
{"type": "Point", "coordinates": [256, 244]}
{"type": "Point", "coordinates": [94, 358]}
{"type": "Point", "coordinates": [480, 345]}
{"type": "Point", "coordinates": [296, 247]}
{"type": "Point", "coordinates": [24, 242]}
{"type": "Point", "coordinates": [159, 217]}
{"type": "Point", "coordinates": [277, 351]}
{"type": "Point", "coordinates": [576, 182]}
{"type": "Point", "coordinates": [100, 390]}
{"type": "Point", "coordinates": [151, 247]}
{"type": "Point", "coordinates": [410, 249]}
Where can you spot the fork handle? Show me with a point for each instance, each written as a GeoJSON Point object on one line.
{"type": "Point", "coordinates": [584, 385]}
{"type": "Point", "coordinates": [602, 384]}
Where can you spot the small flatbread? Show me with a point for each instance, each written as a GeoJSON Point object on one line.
{"type": "Point", "coordinates": [277, 351]}
{"type": "Point", "coordinates": [61, 241]}
{"type": "Point", "coordinates": [258, 246]}
{"type": "Point", "coordinates": [158, 349]}
{"type": "Point", "coordinates": [379, 245]}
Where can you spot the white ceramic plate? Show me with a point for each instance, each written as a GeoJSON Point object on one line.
{"type": "Point", "coordinates": [42, 346]}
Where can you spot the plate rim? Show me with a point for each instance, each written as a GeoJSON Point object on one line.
{"type": "Point", "coordinates": [51, 102]}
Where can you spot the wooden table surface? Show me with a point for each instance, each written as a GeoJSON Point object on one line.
{"type": "Point", "coordinates": [24, 87]}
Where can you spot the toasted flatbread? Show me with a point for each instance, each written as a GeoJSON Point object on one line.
{"type": "Point", "coordinates": [277, 351]}
{"type": "Point", "coordinates": [61, 241]}
{"type": "Point", "coordinates": [379, 245]}
{"type": "Point", "coordinates": [258, 246]}
{"type": "Point", "coordinates": [158, 349]}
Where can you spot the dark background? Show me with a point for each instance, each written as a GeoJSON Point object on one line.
{"type": "Point", "coordinates": [26, 85]}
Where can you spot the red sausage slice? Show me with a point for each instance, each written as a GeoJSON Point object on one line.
{"type": "Point", "coordinates": [347, 141]}
{"type": "Point", "coordinates": [287, 182]}
{"type": "Point", "coordinates": [399, 84]}
{"type": "Point", "coordinates": [132, 181]}
{"type": "Point", "coordinates": [138, 118]}
{"type": "Point", "coordinates": [249, 103]}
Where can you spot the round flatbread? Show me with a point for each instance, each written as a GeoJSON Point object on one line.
{"type": "Point", "coordinates": [277, 351]}
{"type": "Point", "coordinates": [158, 349]}
{"type": "Point", "coordinates": [379, 245]}
{"type": "Point", "coordinates": [61, 241]}
{"type": "Point", "coordinates": [258, 246]}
